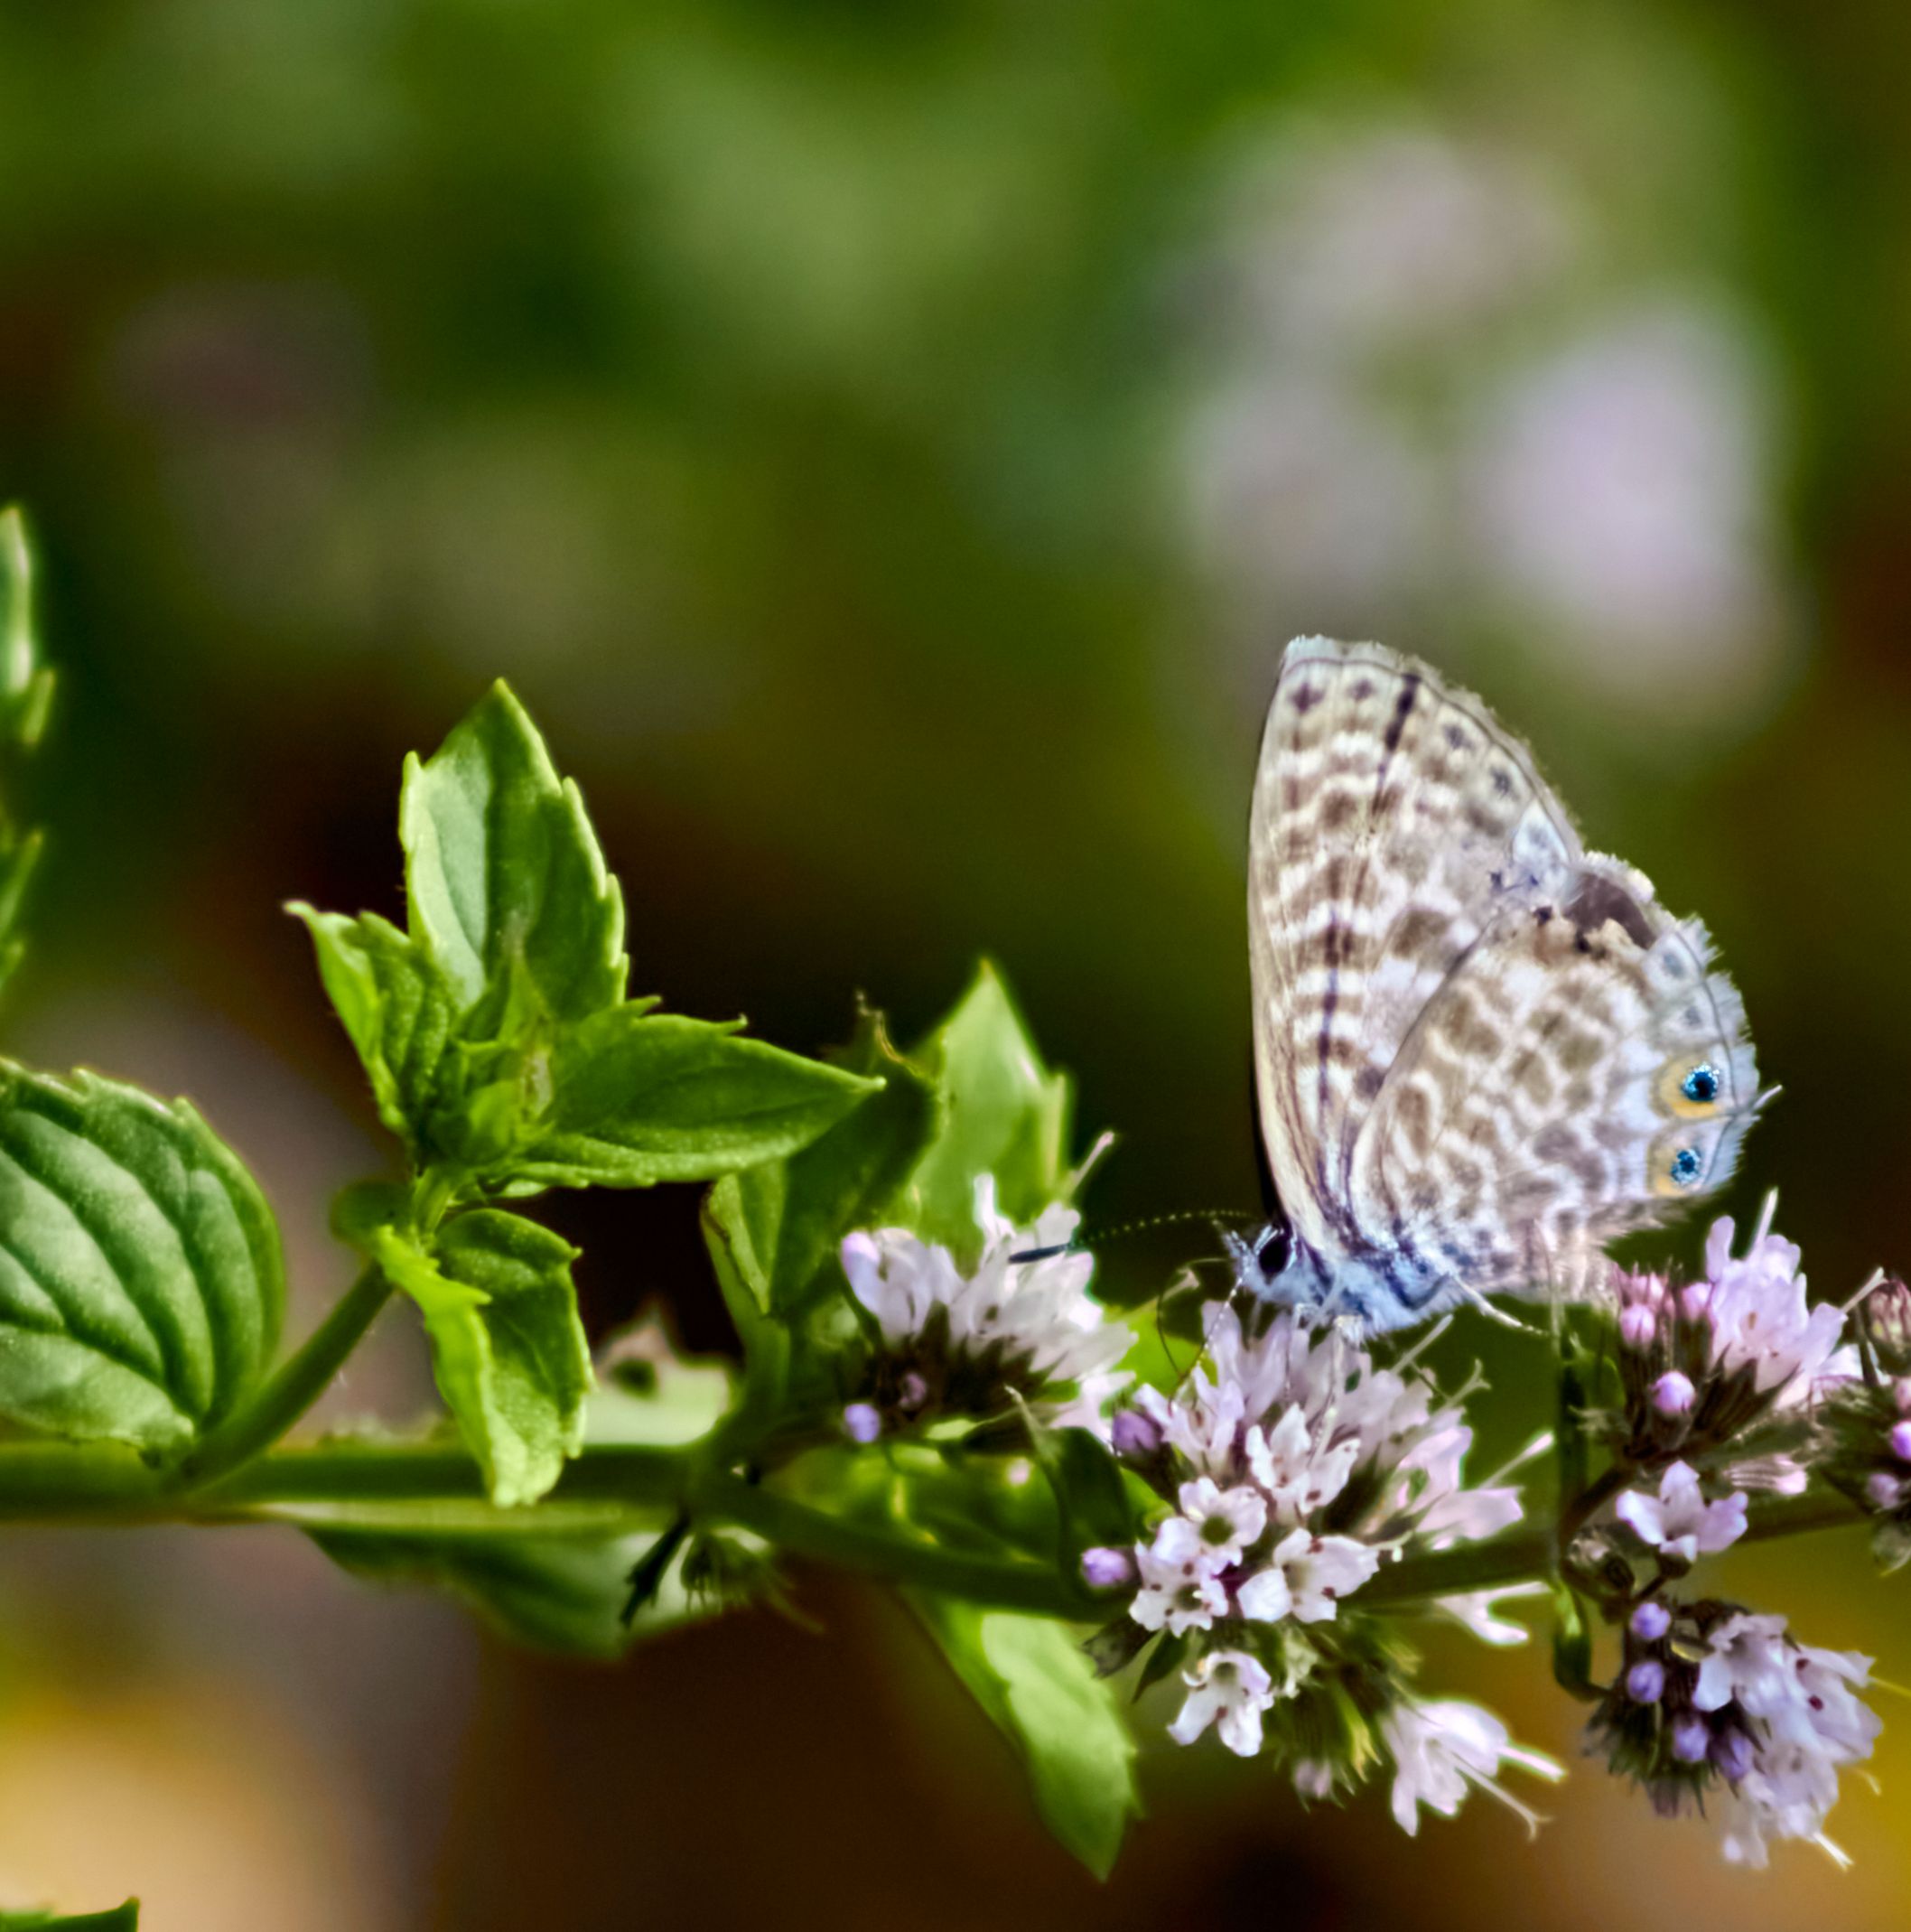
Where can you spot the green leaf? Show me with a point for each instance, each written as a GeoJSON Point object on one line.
{"type": "Point", "coordinates": [1033, 1679]}
{"type": "Point", "coordinates": [141, 1281]}
{"type": "Point", "coordinates": [508, 1349]}
{"type": "Point", "coordinates": [557, 1594]}
{"type": "Point", "coordinates": [121, 1918]}
{"type": "Point", "coordinates": [639, 1098]}
{"type": "Point", "coordinates": [798, 1210]}
{"type": "Point", "coordinates": [1091, 1492]}
{"type": "Point", "coordinates": [501, 865]}
{"type": "Point", "coordinates": [398, 1007]}
{"type": "Point", "coordinates": [1004, 1113]}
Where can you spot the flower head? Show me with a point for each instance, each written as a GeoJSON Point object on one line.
{"type": "Point", "coordinates": [1293, 1468]}
{"type": "Point", "coordinates": [1712, 1694]}
{"type": "Point", "coordinates": [967, 1342]}
{"type": "Point", "coordinates": [1740, 1359]}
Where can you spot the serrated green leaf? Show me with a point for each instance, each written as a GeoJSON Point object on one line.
{"type": "Point", "coordinates": [798, 1210]}
{"type": "Point", "coordinates": [558, 1594]}
{"type": "Point", "coordinates": [639, 1098]}
{"type": "Point", "coordinates": [141, 1280]}
{"type": "Point", "coordinates": [508, 1349]}
{"type": "Point", "coordinates": [398, 1007]}
{"type": "Point", "coordinates": [1003, 1114]}
{"type": "Point", "coordinates": [502, 865]}
{"type": "Point", "coordinates": [1035, 1682]}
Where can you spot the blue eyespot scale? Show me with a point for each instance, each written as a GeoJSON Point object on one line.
{"type": "Point", "coordinates": [1700, 1086]}
{"type": "Point", "coordinates": [1685, 1166]}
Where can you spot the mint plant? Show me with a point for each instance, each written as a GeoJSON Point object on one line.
{"type": "Point", "coordinates": [925, 1390]}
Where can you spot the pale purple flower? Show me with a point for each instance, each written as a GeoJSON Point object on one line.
{"type": "Point", "coordinates": [862, 1422]}
{"type": "Point", "coordinates": [1306, 1577]}
{"type": "Point", "coordinates": [1227, 1520]}
{"type": "Point", "coordinates": [1228, 1689]}
{"type": "Point", "coordinates": [1476, 1611]}
{"type": "Point", "coordinates": [1430, 1486]}
{"type": "Point", "coordinates": [1299, 1475]}
{"type": "Point", "coordinates": [1442, 1748]}
{"type": "Point", "coordinates": [1181, 1588]}
{"type": "Point", "coordinates": [1679, 1522]}
{"type": "Point", "coordinates": [1761, 1319]}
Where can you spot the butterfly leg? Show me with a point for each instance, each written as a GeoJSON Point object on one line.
{"type": "Point", "coordinates": [1473, 1298]}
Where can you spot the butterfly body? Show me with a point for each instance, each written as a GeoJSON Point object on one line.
{"type": "Point", "coordinates": [1481, 1052]}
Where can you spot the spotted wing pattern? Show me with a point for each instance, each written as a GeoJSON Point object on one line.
{"type": "Point", "coordinates": [1481, 1052]}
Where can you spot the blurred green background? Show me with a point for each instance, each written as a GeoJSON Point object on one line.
{"type": "Point", "coordinates": [887, 445]}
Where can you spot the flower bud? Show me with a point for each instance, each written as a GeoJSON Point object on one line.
{"type": "Point", "coordinates": [1695, 1301]}
{"type": "Point", "coordinates": [1901, 1440]}
{"type": "Point", "coordinates": [1732, 1753]}
{"type": "Point", "coordinates": [1651, 1622]}
{"type": "Point", "coordinates": [862, 1421]}
{"type": "Point", "coordinates": [1883, 1491]}
{"type": "Point", "coordinates": [1103, 1568]}
{"type": "Point", "coordinates": [1691, 1740]}
{"type": "Point", "coordinates": [1646, 1682]}
{"type": "Point", "coordinates": [1636, 1326]}
{"type": "Point", "coordinates": [1672, 1393]}
{"type": "Point", "coordinates": [914, 1392]}
{"type": "Point", "coordinates": [1134, 1434]}
{"type": "Point", "coordinates": [1886, 1317]}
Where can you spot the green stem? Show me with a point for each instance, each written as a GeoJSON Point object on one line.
{"type": "Point", "coordinates": [298, 1382]}
{"type": "Point", "coordinates": [616, 1488]}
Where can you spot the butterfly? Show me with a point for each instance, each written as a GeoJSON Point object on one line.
{"type": "Point", "coordinates": [1481, 1052]}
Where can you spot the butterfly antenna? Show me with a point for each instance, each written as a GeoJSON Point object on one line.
{"type": "Point", "coordinates": [1085, 1238]}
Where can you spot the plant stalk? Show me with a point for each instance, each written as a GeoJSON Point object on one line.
{"type": "Point", "coordinates": [298, 1382]}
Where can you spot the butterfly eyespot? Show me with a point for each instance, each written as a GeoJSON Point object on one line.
{"type": "Point", "coordinates": [1685, 1166]}
{"type": "Point", "coordinates": [1700, 1086]}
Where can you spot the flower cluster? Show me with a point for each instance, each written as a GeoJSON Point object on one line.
{"type": "Point", "coordinates": [1869, 1424]}
{"type": "Point", "coordinates": [1738, 1360]}
{"type": "Point", "coordinates": [972, 1342]}
{"type": "Point", "coordinates": [1294, 1469]}
{"type": "Point", "coordinates": [1709, 1694]}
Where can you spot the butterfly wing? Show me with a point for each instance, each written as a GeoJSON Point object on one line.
{"type": "Point", "coordinates": [1402, 851]}
{"type": "Point", "coordinates": [1580, 1074]}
